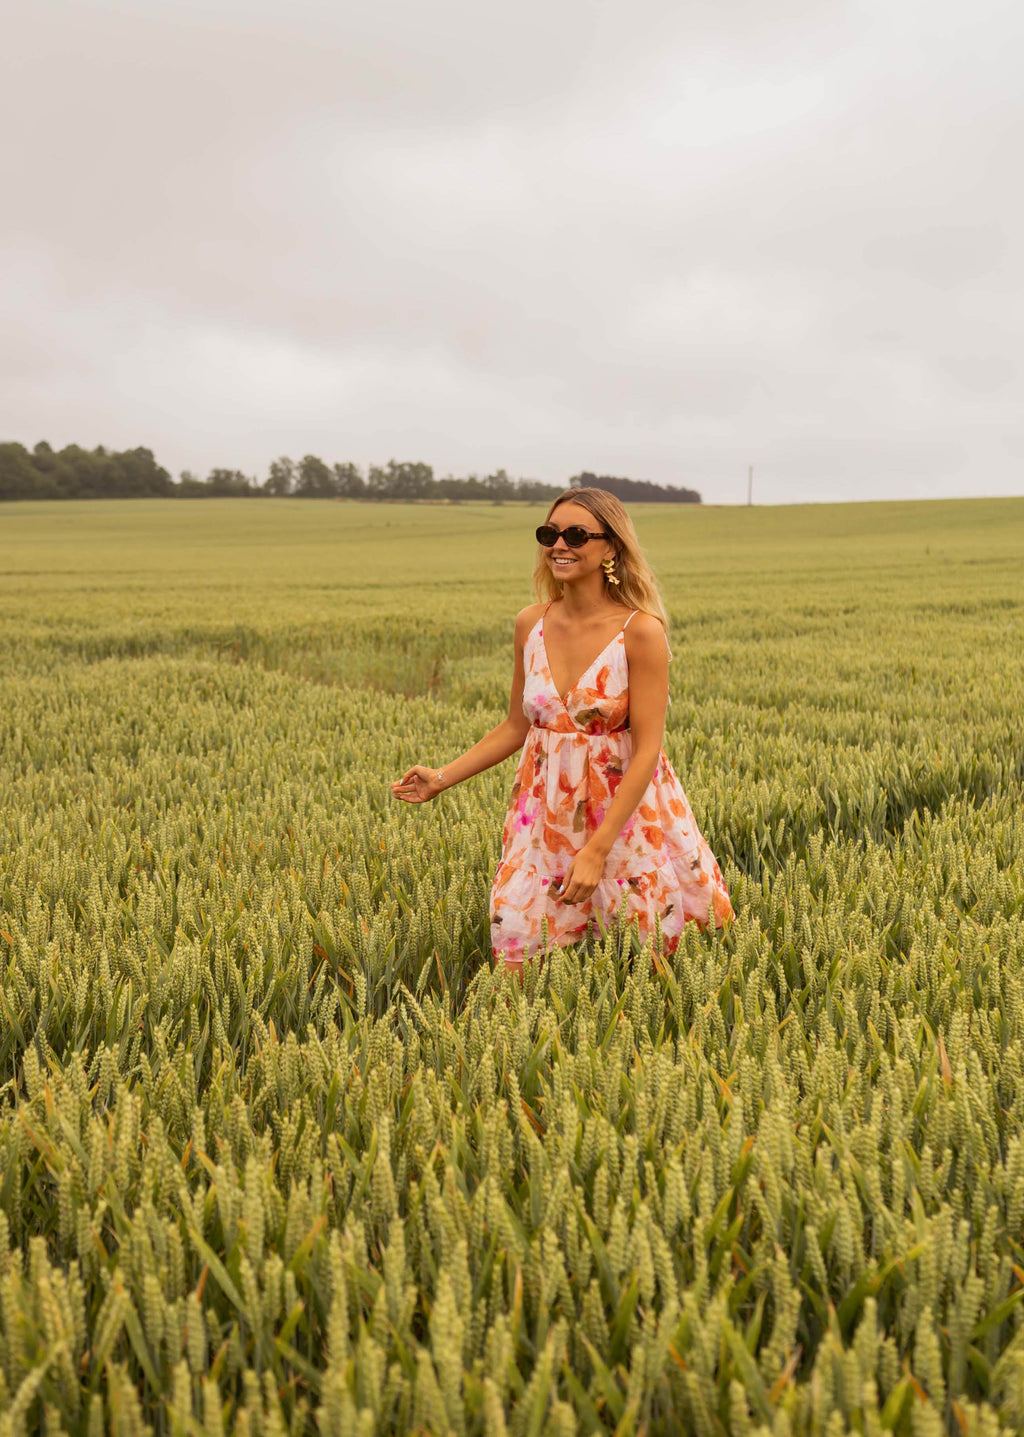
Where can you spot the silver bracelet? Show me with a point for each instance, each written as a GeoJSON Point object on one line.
{"type": "Point", "coordinates": [440, 777]}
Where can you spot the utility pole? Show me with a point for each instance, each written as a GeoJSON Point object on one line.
{"type": "Point", "coordinates": [750, 485]}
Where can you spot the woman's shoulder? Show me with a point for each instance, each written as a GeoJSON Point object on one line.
{"type": "Point", "coordinates": [642, 625]}
{"type": "Point", "coordinates": [644, 633]}
{"type": "Point", "coordinates": [526, 619]}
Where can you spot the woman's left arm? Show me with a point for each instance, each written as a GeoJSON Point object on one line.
{"type": "Point", "coordinates": [647, 656]}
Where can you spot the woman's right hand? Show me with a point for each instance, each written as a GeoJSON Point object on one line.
{"type": "Point", "coordinates": [417, 785]}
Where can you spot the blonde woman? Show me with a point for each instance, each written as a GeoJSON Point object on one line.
{"type": "Point", "coordinates": [598, 825]}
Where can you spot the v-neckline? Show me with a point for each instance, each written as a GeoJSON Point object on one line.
{"type": "Point", "coordinates": [576, 682]}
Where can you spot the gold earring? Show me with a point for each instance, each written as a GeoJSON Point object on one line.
{"type": "Point", "coordinates": [608, 565]}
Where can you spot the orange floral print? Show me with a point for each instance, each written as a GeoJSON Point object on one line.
{"type": "Point", "coordinates": [660, 867]}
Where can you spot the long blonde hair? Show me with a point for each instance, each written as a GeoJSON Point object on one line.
{"type": "Point", "coordinates": [637, 587]}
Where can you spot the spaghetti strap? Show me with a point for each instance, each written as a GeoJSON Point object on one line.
{"type": "Point", "coordinates": [629, 620]}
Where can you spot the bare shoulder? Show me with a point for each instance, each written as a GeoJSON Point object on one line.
{"type": "Point", "coordinates": [526, 618]}
{"type": "Point", "coordinates": [645, 637]}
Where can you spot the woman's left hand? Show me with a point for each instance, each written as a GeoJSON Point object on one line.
{"type": "Point", "coordinates": [583, 875]}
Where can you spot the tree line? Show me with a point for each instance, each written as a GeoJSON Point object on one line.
{"type": "Point", "coordinates": [77, 473]}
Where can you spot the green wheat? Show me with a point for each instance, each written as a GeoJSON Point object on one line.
{"type": "Point", "coordinates": [279, 1153]}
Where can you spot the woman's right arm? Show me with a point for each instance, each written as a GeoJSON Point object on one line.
{"type": "Point", "coordinates": [419, 784]}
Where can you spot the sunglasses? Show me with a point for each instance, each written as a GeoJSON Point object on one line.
{"type": "Point", "coordinates": [575, 536]}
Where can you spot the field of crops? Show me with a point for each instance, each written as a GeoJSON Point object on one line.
{"type": "Point", "coordinates": [279, 1153]}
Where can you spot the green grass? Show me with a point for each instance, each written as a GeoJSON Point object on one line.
{"type": "Point", "coordinates": [278, 1151]}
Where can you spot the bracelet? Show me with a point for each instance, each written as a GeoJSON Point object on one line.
{"type": "Point", "coordinates": [440, 777]}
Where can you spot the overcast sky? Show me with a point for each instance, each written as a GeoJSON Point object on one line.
{"type": "Point", "coordinates": [662, 239]}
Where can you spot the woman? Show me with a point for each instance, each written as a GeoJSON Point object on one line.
{"type": "Point", "coordinates": [598, 825]}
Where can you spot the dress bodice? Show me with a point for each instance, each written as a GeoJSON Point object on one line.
{"type": "Point", "coordinates": [596, 704]}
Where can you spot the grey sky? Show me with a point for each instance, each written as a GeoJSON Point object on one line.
{"type": "Point", "coordinates": [655, 239]}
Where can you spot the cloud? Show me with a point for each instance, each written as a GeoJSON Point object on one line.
{"type": "Point", "coordinates": [639, 239]}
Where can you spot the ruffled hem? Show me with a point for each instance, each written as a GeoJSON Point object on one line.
{"type": "Point", "coordinates": [667, 892]}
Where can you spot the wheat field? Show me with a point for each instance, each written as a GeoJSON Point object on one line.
{"type": "Point", "coordinates": [280, 1153]}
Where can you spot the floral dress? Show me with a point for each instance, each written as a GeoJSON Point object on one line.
{"type": "Point", "coordinates": [573, 760]}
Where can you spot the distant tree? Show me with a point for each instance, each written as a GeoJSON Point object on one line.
{"type": "Point", "coordinates": [315, 479]}
{"type": "Point", "coordinates": [218, 484]}
{"type": "Point", "coordinates": [403, 480]}
{"type": "Point", "coordinates": [80, 474]}
{"type": "Point", "coordinates": [377, 482]}
{"type": "Point", "coordinates": [230, 484]}
{"type": "Point", "coordinates": [500, 487]}
{"type": "Point", "coordinates": [636, 491]}
{"type": "Point", "coordinates": [536, 492]}
{"type": "Point", "coordinates": [45, 459]}
{"type": "Point", "coordinates": [472, 487]}
{"type": "Point", "coordinates": [18, 476]}
{"type": "Point", "coordinates": [190, 486]}
{"type": "Point", "coordinates": [141, 474]}
{"type": "Point", "coordinates": [349, 483]}
{"type": "Point", "coordinates": [76, 473]}
{"type": "Point", "coordinates": [281, 479]}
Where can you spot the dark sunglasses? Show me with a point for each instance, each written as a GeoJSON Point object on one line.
{"type": "Point", "coordinates": [575, 536]}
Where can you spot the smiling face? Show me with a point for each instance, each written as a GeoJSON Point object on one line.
{"type": "Point", "coordinates": [569, 565]}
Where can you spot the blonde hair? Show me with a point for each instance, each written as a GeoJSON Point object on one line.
{"type": "Point", "coordinates": [637, 587]}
